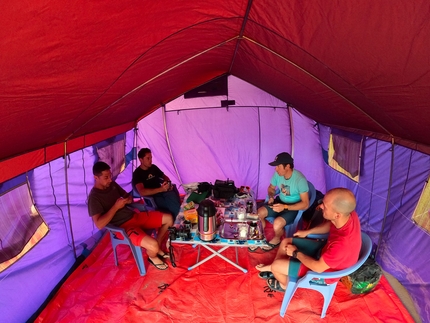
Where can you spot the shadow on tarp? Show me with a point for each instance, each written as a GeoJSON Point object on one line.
{"type": "Point", "coordinates": [98, 291]}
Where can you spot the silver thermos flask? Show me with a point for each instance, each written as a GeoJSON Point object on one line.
{"type": "Point", "coordinates": [206, 220]}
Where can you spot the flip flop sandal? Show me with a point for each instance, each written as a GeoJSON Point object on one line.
{"type": "Point", "coordinates": [275, 285]}
{"type": "Point", "coordinates": [265, 274]}
{"type": "Point", "coordinates": [253, 249]}
{"type": "Point", "coordinates": [162, 266]}
{"type": "Point", "coordinates": [163, 256]}
{"type": "Point", "coordinates": [271, 246]}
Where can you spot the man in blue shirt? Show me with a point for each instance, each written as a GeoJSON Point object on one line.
{"type": "Point", "coordinates": [293, 196]}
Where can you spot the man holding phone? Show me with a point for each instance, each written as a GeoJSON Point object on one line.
{"type": "Point", "coordinates": [107, 204]}
{"type": "Point", "coordinates": [293, 196]}
{"type": "Point", "coordinates": [149, 180]}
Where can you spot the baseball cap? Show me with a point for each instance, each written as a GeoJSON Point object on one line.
{"type": "Point", "coordinates": [282, 158]}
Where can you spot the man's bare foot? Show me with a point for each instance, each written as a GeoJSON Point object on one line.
{"type": "Point", "coordinates": [262, 267]}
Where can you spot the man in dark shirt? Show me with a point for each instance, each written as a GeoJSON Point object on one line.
{"type": "Point", "coordinates": [107, 205]}
{"type": "Point", "coordinates": [149, 180]}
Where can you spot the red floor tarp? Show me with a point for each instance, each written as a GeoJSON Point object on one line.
{"type": "Point", "coordinates": [98, 291]}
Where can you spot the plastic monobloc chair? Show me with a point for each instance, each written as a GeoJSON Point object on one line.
{"type": "Point", "coordinates": [147, 203]}
{"type": "Point", "coordinates": [137, 251]}
{"type": "Point", "coordinates": [291, 228]}
{"type": "Point", "coordinates": [327, 290]}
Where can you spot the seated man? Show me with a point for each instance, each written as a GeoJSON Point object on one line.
{"type": "Point", "coordinates": [341, 250]}
{"type": "Point", "coordinates": [293, 196]}
{"type": "Point", "coordinates": [107, 205]}
{"type": "Point", "coordinates": [149, 180]}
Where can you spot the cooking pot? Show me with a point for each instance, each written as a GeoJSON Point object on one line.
{"type": "Point", "coordinates": [206, 220]}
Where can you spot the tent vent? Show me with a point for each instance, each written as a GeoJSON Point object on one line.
{"type": "Point", "coordinates": [212, 88]}
{"type": "Point", "coordinates": [226, 103]}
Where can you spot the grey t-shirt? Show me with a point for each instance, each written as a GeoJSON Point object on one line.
{"type": "Point", "coordinates": [101, 201]}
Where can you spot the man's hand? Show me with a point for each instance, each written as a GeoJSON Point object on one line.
{"type": "Point", "coordinates": [165, 186]}
{"type": "Point", "coordinates": [301, 234]}
{"type": "Point", "coordinates": [129, 199]}
{"type": "Point", "coordinates": [120, 203]}
{"type": "Point", "coordinates": [289, 249]}
{"type": "Point", "coordinates": [270, 201]}
{"type": "Point", "coordinates": [278, 207]}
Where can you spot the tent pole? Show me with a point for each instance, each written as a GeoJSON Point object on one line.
{"type": "Point", "coordinates": [163, 109]}
{"type": "Point", "coordinates": [319, 81]}
{"type": "Point", "coordinates": [291, 129]}
{"type": "Point", "coordinates": [388, 197]}
{"type": "Point", "coordinates": [259, 151]}
{"type": "Point", "coordinates": [67, 198]}
{"type": "Point", "coordinates": [134, 159]}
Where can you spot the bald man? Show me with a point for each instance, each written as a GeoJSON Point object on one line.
{"type": "Point", "coordinates": [296, 255]}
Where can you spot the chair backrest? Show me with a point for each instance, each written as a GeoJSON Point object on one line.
{"type": "Point", "coordinates": [148, 202]}
{"type": "Point", "coordinates": [366, 248]}
{"type": "Point", "coordinates": [312, 193]}
{"type": "Point", "coordinates": [290, 229]}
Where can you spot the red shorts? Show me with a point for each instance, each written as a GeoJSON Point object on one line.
{"type": "Point", "coordinates": [136, 226]}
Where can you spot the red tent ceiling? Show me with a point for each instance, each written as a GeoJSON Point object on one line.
{"type": "Point", "coordinates": [86, 70]}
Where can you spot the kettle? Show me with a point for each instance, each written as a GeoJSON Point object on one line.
{"type": "Point", "coordinates": [206, 220]}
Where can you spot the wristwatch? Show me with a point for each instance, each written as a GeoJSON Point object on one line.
{"type": "Point", "coordinates": [295, 254]}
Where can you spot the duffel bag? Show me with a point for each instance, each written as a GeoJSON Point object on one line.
{"type": "Point", "coordinates": [224, 189]}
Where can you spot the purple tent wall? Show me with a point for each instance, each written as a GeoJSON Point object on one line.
{"type": "Point", "coordinates": [28, 282]}
{"type": "Point", "coordinates": [403, 243]}
{"type": "Point", "coordinates": [209, 142]}
{"type": "Point", "coordinates": [307, 150]}
{"type": "Point", "coordinates": [216, 143]}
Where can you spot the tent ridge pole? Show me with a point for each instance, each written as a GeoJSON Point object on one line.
{"type": "Point", "coordinates": [319, 81]}
{"type": "Point", "coordinates": [242, 30]}
{"type": "Point", "coordinates": [149, 81]}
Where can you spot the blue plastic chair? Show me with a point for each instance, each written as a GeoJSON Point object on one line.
{"type": "Point", "coordinates": [148, 202]}
{"type": "Point", "coordinates": [291, 228]}
{"type": "Point", "coordinates": [137, 251]}
{"type": "Point", "coordinates": [327, 290]}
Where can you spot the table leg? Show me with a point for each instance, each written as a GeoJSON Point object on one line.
{"type": "Point", "coordinates": [198, 253]}
{"type": "Point", "coordinates": [217, 253]}
{"type": "Point", "coordinates": [237, 257]}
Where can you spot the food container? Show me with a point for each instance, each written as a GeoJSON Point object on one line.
{"type": "Point", "coordinates": [191, 215]}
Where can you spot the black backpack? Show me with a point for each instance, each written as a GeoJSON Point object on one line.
{"type": "Point", "coordinates": [313, 216]}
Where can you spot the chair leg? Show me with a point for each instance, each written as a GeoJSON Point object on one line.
{"type": "Point", "coordinates": [328, 295]}
{"type": "Point", "coordinates": [112, 237]}
{"type": "Point", "coordinates": [137, 253]}
{"type": "Point", "coordinates": [289, 292]}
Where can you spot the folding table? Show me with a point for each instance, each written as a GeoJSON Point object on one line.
{"type": "Point", "coordinates": [219, 241]}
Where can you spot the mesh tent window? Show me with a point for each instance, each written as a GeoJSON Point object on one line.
{"type": "Point", "coordinates": [22, 226]}
{"type": "Point", "coordinates": [344, 153]}
{"type": "Point", "coordinates": [421, 215]}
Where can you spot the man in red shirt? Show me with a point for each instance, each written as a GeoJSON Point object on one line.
{"type": "Point", "coordinates": [297, 255]}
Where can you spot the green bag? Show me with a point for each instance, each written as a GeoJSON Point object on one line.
{"type": "Point", "coordinates": [197, 197]}
{"type": "Point", "coordinates": [364, 279]}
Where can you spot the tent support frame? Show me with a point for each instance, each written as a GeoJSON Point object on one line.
{"type": "Point", "coordinates": [68, 200]}
{"type": "Point", "coordinates": [390, 182]}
